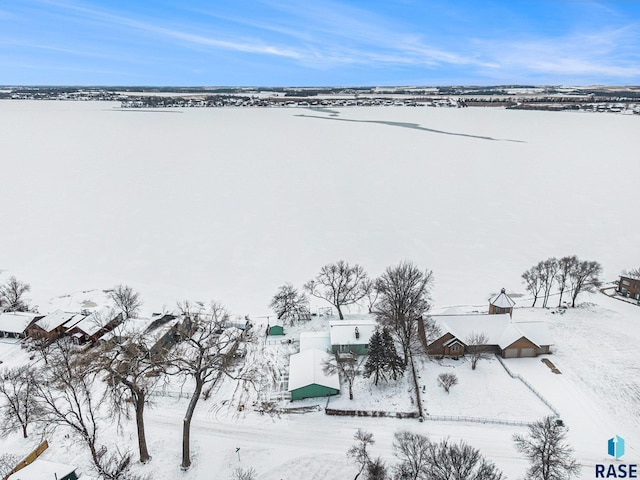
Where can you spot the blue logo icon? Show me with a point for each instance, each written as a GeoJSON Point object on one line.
{"type": "Point", "coordinates": [615, 447]}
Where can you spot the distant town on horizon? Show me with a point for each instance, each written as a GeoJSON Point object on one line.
{"type": "Point", "coordinates": [616, 99]}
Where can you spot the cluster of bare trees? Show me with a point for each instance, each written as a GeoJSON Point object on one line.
{"type": "Point", "coordinates": [567, 273]}
{"type": "Point", "coordinates": [81, 391]}
{"type": "Point", "coordinates": [419, 458]}
{"type": "Point", "coordinates": [12, 296]}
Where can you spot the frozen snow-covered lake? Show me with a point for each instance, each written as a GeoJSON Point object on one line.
{"type": "Point", "coordinates": [228, 204]}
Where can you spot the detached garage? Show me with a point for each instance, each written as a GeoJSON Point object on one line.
{"type": "Point", "coordinates": [307, 378]}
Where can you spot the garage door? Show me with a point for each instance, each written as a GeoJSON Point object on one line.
{"type": "Point", "coordinates": [511, 353]}
{"type": "Point", "coordinates": [527, 352]}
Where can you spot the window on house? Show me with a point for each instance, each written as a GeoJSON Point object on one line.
{"type": "Point", "coordinates": [454, 348]}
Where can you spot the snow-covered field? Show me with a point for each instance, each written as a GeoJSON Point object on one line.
{"type": "Point", "coordinates": [228, 204]}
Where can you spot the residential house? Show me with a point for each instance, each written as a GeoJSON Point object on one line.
{"type": "Point", "coordinates": [92, 328]}
{"type": "Point", "coordinates": [14, 324]}
{"type": "Point", "coordinates": [504, 336]}
{"type": "Point", "coordinates": [629, 287]}
{"type": "Point", "coordinates": [351, 336]}
{"type": "Point", "coordinates": [53, 325]}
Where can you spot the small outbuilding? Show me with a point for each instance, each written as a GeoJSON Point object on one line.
{"type": "Point", "coordinates": [501, 303]}
{"type": "Point", "coordinates": [276, 329]}
{"type": "Point", "coordinates": [307, 378]}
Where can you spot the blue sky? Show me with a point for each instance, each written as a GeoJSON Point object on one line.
{"type": "Point", "coordinates": [314, 43]}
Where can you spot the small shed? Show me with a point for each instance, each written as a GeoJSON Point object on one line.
{"type": "Point", "coordinates": [44, 470]}
{"type": "Point", "coordinates": [307, 378]}
{"type": "Point", "coordinates": [276, 329]}
{"type": "Point", "coordinates": [501, 303]}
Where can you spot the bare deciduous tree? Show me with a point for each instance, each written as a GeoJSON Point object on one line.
{"type": "Point", "coordinates": [127, 300]}
{"type": "Point", "coordinates": [132, 373]}
{"type": "Point", "coordinates": [533, 282]}
{"type": "Point", "coordinates": [340, 284]}
{"type": "Point", "coordinates": [633, 273]}
{"type": "Point", "coordinates": [405, 296]}
{"type": "Point", "coordinates": [12, 296]}
{"type": "Point", "coordinates": [18, 408]}
{"type": "Point", "coordinates": [550, 457]}
{"type": "Point", "coordinates": [348, 365]}
{"type": "Point", "coordinates": [548, 270]}
{"type": "Point", "coordinates": [451, 461]}
{"type": "Point", "coordinates": [565, 267]}
{"type": "Point", "coordinates": [371, 294]}
{"type": "Point", "coordinates": [204, 354]}
{"type": "Point", "coordinates": [65, 391]}
{"type": "Point", "coordinates": [447, 380]}
{"type": "Point", "coordinates": [412, 451]}
{"type": "Point", "coordinates": [477, 348]}
{"type": "Point", "coordinates": [584, 277]}
{"type": "Point", "coordinates": [359, 451]}
{"type": "Point", "coordinates": [289, 304]}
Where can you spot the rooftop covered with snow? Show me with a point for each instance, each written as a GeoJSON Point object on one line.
{"type": "Point", "coordinates": [351, 332]}
{"type": "Point", "coordinates": [306, 368]}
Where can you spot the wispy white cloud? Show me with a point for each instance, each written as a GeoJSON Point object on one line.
{"type": "Point", "coordinates": [239, 45]}
{"type": "Point", "coordinates": [607, 53]}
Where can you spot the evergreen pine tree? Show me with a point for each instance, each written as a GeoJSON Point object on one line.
{"type": "Point", "coordinates": [392, 360]}
{"type": "Point", "coordinates": [375, 364]}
